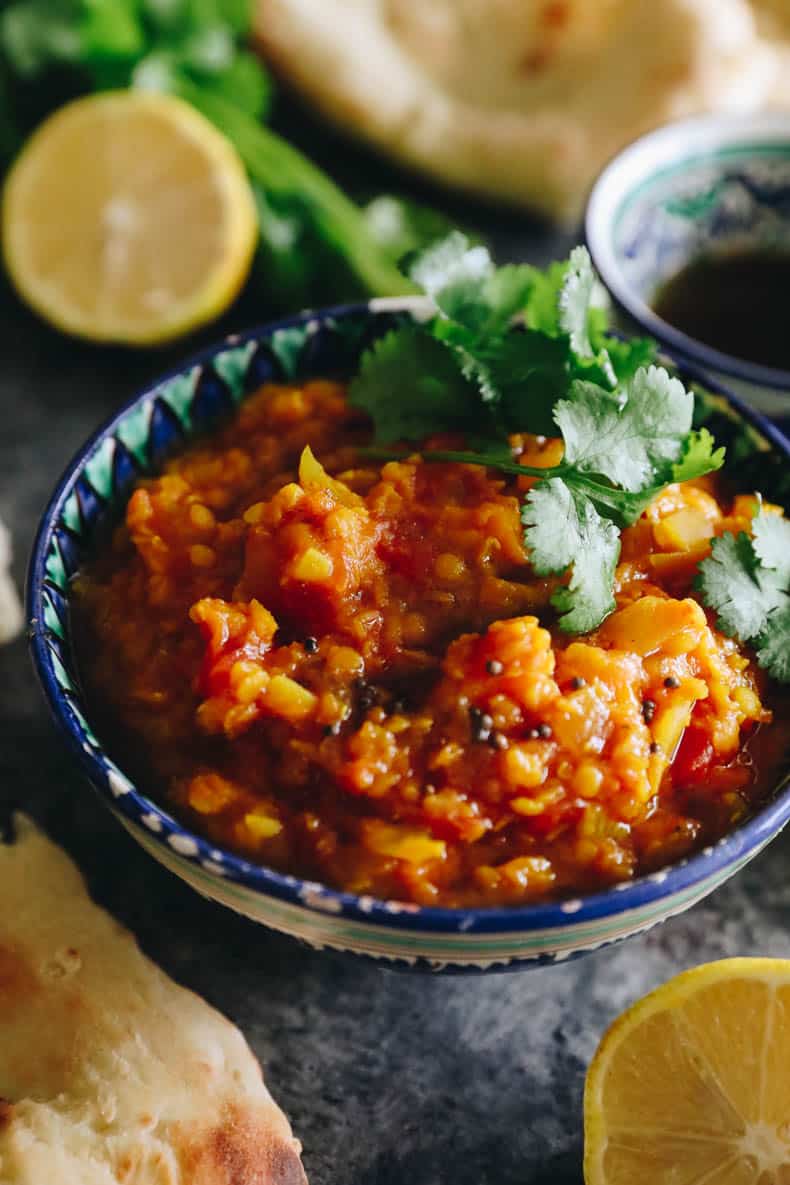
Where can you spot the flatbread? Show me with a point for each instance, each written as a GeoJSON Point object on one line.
{"type": "Point", "coordinates": [10, 607]}
{"type": "Point", "coordinates": [110, 1073]}
{"type": "Point", "coordinates": [525, 99]}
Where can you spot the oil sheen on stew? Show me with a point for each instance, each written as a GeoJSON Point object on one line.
{"type": "Point", "coordinates": [347, 670]}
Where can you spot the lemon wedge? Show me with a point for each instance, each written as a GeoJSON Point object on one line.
{"type": "Point", "coordinates": [691, 1085]}
{"type": "Point", "coordinates": [128, 218]}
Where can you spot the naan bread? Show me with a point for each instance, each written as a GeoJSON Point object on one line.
{"type": "Point", "coordinates": [525, 99]}
{"type": "Point", "coordinates": [10, 608]}
{"type": "Point", "coordinates": [111, 1074]}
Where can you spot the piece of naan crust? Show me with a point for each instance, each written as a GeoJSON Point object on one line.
{"type": "Point", "coordinates": [525, 100]}
{"type": "Point", "coordinates": [110, 1073]}
{"type": "Point", "coordinates": [10, 607]}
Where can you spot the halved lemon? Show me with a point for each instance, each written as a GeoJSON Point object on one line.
{"type": "Point", "coordinates": [128, 218]}
{"type": "Point", "coordinates": [691, 1086]}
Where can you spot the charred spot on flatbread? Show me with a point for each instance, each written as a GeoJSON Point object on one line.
{"type": "Point", "coordinates": [240, 1148]}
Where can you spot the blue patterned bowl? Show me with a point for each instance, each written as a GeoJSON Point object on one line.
{"type": "Point", "coordinates": [91, 496]}
{"type": "Point", "coordinates": [715, 183]}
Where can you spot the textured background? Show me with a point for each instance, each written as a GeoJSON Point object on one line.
{"type": "Point", "coordinates": [389, 1078]}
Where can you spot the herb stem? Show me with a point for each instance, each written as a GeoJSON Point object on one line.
{"type": "Point", "coordinates": [621, 506]}
{"type": "Point", "coordinates": [487, 461]}
{"type": "Point", "coordinates": [280, 168]}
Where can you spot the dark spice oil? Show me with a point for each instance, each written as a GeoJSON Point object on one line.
{"type": "Point", "coordinates": [735, 302]}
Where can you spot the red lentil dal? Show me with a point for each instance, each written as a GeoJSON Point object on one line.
{"type": "Point", "coordinates": [354, 677]}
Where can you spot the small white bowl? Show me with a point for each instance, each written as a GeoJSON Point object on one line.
{"type": "Point", "coordinates": [711, 183]}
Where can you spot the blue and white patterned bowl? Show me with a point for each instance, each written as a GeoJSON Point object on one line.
{"type": "Point", "coordinates": [91, 496]}
{"type": "Point", "coordinates": [714, 183]}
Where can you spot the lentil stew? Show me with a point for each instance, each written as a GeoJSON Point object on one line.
{"type": "Point", "coordinates": [347, 670]}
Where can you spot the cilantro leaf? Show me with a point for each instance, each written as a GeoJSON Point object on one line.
{"type": "Point", "coordinates": [699, 456]}
{"type": "Point", "coordinates": [771, 541]}
{"type": "Point", "coordinates": [477, 305]}
{"type": "Point", "coordinates": [506, 293]}
{"type": "Point", "coordinates": [522, 373]}
{"type": "Point", "coordinates": [746, 580]}
{"type": "Point", "coordinates": [530, 372]}
{"type": "Point", "coordinates": [626, 355]}
{"type": "Point", "coordinates": [542, 311]}
{"type": "Point", "coordinates": [411, 387]}
{"type": "Point", "coordinates": [626, 436]}
{"type": "Point", "coordinates": [478, 299]}
{"type": "Point", "coordinates": [574, 299]}
{"type": "Point", "coordinates": [563, 530]}
{"type": "Point", "coordinates": [402, 227]}
{"type": "Point", "coordinates": [560, 305]}
{"type": "Point", "coordinates": [624, 507]}
{"type": "Point", "coordinates": [588, 598]}
{"type": "Point", "coordinates": [453, 273]}
{"type": "Point", "coordinates": [37, 34]}
{"type": "Point", "coordinates": [733, 584]}
{"type": "Point", "coordinates": [773, 644]}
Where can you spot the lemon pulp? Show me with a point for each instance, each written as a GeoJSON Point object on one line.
{"type": "Point", "coordinates": [691, 1086]}
{"type": "Point", "coordinates": [128, 217]}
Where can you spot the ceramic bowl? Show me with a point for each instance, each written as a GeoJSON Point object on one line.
{"type": "Point", "coordinates": [90, 498]}
{"type": "Point", "coordinates": [712, 184]}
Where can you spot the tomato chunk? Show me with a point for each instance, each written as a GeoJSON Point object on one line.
{"type": "Point", "coordinates": [694, 757]}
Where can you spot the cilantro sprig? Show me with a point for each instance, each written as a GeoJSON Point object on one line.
{"type": "Point", "coordinates": [509, 380]}
{"type": "Point", "coordinates": [746, 581]}
{"type": "Point", "coordinates": [515, 350]}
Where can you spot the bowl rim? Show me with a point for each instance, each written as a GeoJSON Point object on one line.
{"type": "Point", "coordinates": [223, 864]}
{"type": "Point", "coordinates": [667, 149]}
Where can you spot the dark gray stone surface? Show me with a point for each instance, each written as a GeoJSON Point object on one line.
{"type": "Point", "coordinates": [389, 1078]}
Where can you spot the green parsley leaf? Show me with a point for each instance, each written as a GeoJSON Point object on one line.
{"type": "Point", "coordinates": [773, 645]}
{"type": "Point", "coordinates": [737, 588]}
{"type": "Point", "coordinates": [626, 436]}
{"type": "Point", "coordinates": [411, 387]}
{"type": "Point", "coordinates": [564, 530]}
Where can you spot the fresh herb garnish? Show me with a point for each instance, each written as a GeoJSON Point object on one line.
{"type": "Point", "coordinates": [746, 581]}
{"type": "Point", "coordinates": [519, 350]}
{"type": "Point", "coordinates": [628, 435]}
{"type": "Point", "coordinates": [565, 531]}
{"type": "Point", "coordinates": [516, 373]}
{"type": "Point", "coordinates": [409, 360]}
